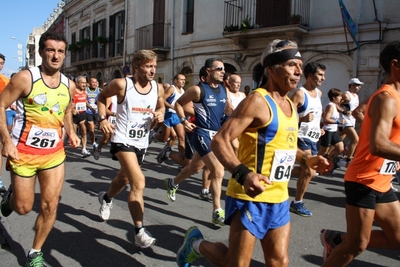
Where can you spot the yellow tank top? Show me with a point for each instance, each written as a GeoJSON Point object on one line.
{"type": "Point", "coordinates": [270, 150]}
{"type": "Point", "coordinates": [39, 120]}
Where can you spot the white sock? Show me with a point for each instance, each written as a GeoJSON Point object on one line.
{"type": "Point", "coordinates": [196, 245]}
{"type": "Point", "coordinates": [167, 154]}
{"type": "Point", "coordinates": [204, 191]}
{"type": "Point", "coordinates": [33, 251]}
{"type": "Point", "coordinates": [297, 201]}
{"type": "Point", "coordinates": [172, 183]}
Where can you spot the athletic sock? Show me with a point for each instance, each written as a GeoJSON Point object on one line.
{"type": "Point", "coordinates": [106, 198]}
{"type": "Point", "coordinates": [33, 251]}
{"type": "Point", "coordinates": [137, 228]}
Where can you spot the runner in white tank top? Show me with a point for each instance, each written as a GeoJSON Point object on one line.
{"type": "Point", "coordinates": [308, 102]}
{"type": "Point", "coordinates": [140, 102]}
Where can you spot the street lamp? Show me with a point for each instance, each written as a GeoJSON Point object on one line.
{"type": "Point", "coordinates": [20, 51]}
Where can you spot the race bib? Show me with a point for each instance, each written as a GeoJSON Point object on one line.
{"type": "Point", "coordinates": [282, 165]}
{"type": "Point", "coordinates": [112, 119]}
{"type": "Point", "coordinates": [80, 106]}
{"type": "Point", "coordinates": [136, 131]}
{"type": "Point", "coordinates": [388, 167]}
{"type": "Point", "coordinates": [42, 138]}
{"type": "Point", "coordinates": [314, 133]}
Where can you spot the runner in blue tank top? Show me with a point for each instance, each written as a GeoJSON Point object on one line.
{"type": "Point", "coordinates": [210, 101]}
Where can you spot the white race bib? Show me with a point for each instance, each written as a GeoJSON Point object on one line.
{"type": "Point", "coordinates": [282, 165]}
{"type": "Point", "coordinates": [80, 106]}
{"type": "Point", "coordinates": [313, 133]}
{"type": "Point", "coordinates": [42, 138]}
{"type": "Point", "coordinates": [388, 167]}
{"type": "Point", "coordinates": [136, 131]}
{"type": "Point", "coordinates": [112, 119]}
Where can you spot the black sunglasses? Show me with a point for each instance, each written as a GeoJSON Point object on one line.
{"type": "Point", "coordinates": [218, 69]}
{"type": "Point", "coordinates": [282, 43]}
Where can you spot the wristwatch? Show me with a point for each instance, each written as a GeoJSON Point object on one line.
{"type": "Point", "coordinates": [102, 118]}
{"type": "Point", "coordinates": [183, 119]}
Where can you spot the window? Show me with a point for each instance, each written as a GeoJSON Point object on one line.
{"type": "Point", "coordinates": [188, 18]}
{"type": "Point", "coordinates": [116, 41]}
{"type": "Point", "coordinates": [99, 39]}
{"type": "Point", "coordinates": [85, 42]}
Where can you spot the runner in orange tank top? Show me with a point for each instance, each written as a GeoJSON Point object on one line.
{"type": "Point", "coordinates": [369, 195]}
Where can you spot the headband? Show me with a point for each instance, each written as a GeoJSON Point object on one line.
{"type": "Point", "coordinates": [281, 56]}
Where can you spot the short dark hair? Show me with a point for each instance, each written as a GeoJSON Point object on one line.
{"type": "Point", "coordinates": [209, 62]}
{"type": "Point", "coordinates": [202, 72]}
{"type": "Point", "coordinates": [312, 67]}
{"type": "Point", "coordinates": [51, 36]}
{"type": "Point", "coordinates": [2, 57]}
{"type": "Point", "coordinates": [390, 52]}
{"type": "Point", "coordinates": [334, 92]}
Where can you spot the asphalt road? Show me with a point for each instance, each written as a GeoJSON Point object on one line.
{"type": "Point", "coordinates": [80, 238]}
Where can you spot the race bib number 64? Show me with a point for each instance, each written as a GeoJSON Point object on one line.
{"type": "Point", "coordinates": [282, 165]}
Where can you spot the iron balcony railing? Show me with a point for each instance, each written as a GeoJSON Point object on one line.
{"type": "Point", "coordinates": [156, 35]}
{"type": "Point", "coordinates": [241, 15]}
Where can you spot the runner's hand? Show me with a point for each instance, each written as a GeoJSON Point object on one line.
{"type": "Point", "coordinates": [252, 185]}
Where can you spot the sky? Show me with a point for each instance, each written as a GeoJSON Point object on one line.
{"type": "Point", "coordinates": [17, 19]}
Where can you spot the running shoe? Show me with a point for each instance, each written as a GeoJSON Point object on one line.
{"type": "Point", "coordinates": [96, 153]}
{"type": "Point", "coordinates": [186, 255]}
{"type": "Point", "coordinates": [171, 190]}
{"type": "Point", "coordinates": [218, 217]}
{"type": "Point", "coordinates": [105, 208]}
{"type": "Point", "coordinates": [161, 157]}
{"type": "Point", "coordinates": [144, 239]}
{"type": "Point", "coordinates": [6, 209]}
{"type": "Point", "coordinates": [300, 209]}
{"type": "Point", "coordinates": [326, 238]}
{"type": "Point", "coordinates": [36, 260]}
{"type": "Point", "coordinates": [151, 136]}
{"type": "Point", "coordinates": [206, 196]}
{"type": "Point", "coordinates": [3, 188]}
{"type": "Point", "coordinates": [85, 153]}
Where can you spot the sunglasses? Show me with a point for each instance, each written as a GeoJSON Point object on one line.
{"type": "Point", "coordinates": [218, 69]}
{"type": "Point", "coordinates": [282, 43]}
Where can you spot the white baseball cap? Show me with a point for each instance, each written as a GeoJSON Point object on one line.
{"type": "Point", "coordinates": [356, 81]}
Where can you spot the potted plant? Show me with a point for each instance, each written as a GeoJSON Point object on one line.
{"type": "Point", "coordinates": [86, 42]}
{"type": "Point", "coordinates": [295, 18]}
{"type": "Point", "coordinates": [73, 47]}
{"type": "Point", "coordinates": [245, 25]}
{"type": "Point", "coordinates": [102, 39]}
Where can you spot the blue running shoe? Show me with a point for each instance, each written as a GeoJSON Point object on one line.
{"type": "Point", "coordinates": [300, 209]}
{"type": "Point", "coordinates": [186, 254]}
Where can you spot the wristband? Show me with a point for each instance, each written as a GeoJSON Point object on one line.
{"type": "Point", "coordinates": [102, 118]}
{"type": "Point", "coordinates": [240, 173]}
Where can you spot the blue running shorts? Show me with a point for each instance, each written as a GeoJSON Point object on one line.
{"type": "Point", "coordinates": [307, 144]}
{"type": "Point", "coordinates": [171, 119]}
{"type": "Point", "coordinates": [258, 217]}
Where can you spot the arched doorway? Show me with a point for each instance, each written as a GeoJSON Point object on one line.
{"type": "Point", "coordinates": [187, 71]}
{"type": "Point", "coordinates": [116, 74]}
{"type": "Point", "coordinates": [99, 77]}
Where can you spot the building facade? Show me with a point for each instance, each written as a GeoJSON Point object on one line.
{"type": "Point", "coordinates": [104, 34]}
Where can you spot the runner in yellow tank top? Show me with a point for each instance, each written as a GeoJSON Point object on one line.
{"type": "Point", "coordinates": [257, 205]}
{"type": "Point", "coordinates": [43, 98]}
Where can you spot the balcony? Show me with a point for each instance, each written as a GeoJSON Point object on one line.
{"type": "Point", "coordinates": [246, 20]}
{"type": "Point", "coordinates": [154, 37]}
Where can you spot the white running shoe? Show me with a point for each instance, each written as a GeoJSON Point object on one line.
{"type": "Point", "coordinates": [144, 239]}
{"type": "Point", "coordinates": [85, 153]}
{"type": "Point", "coordinates": [105, 208]}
